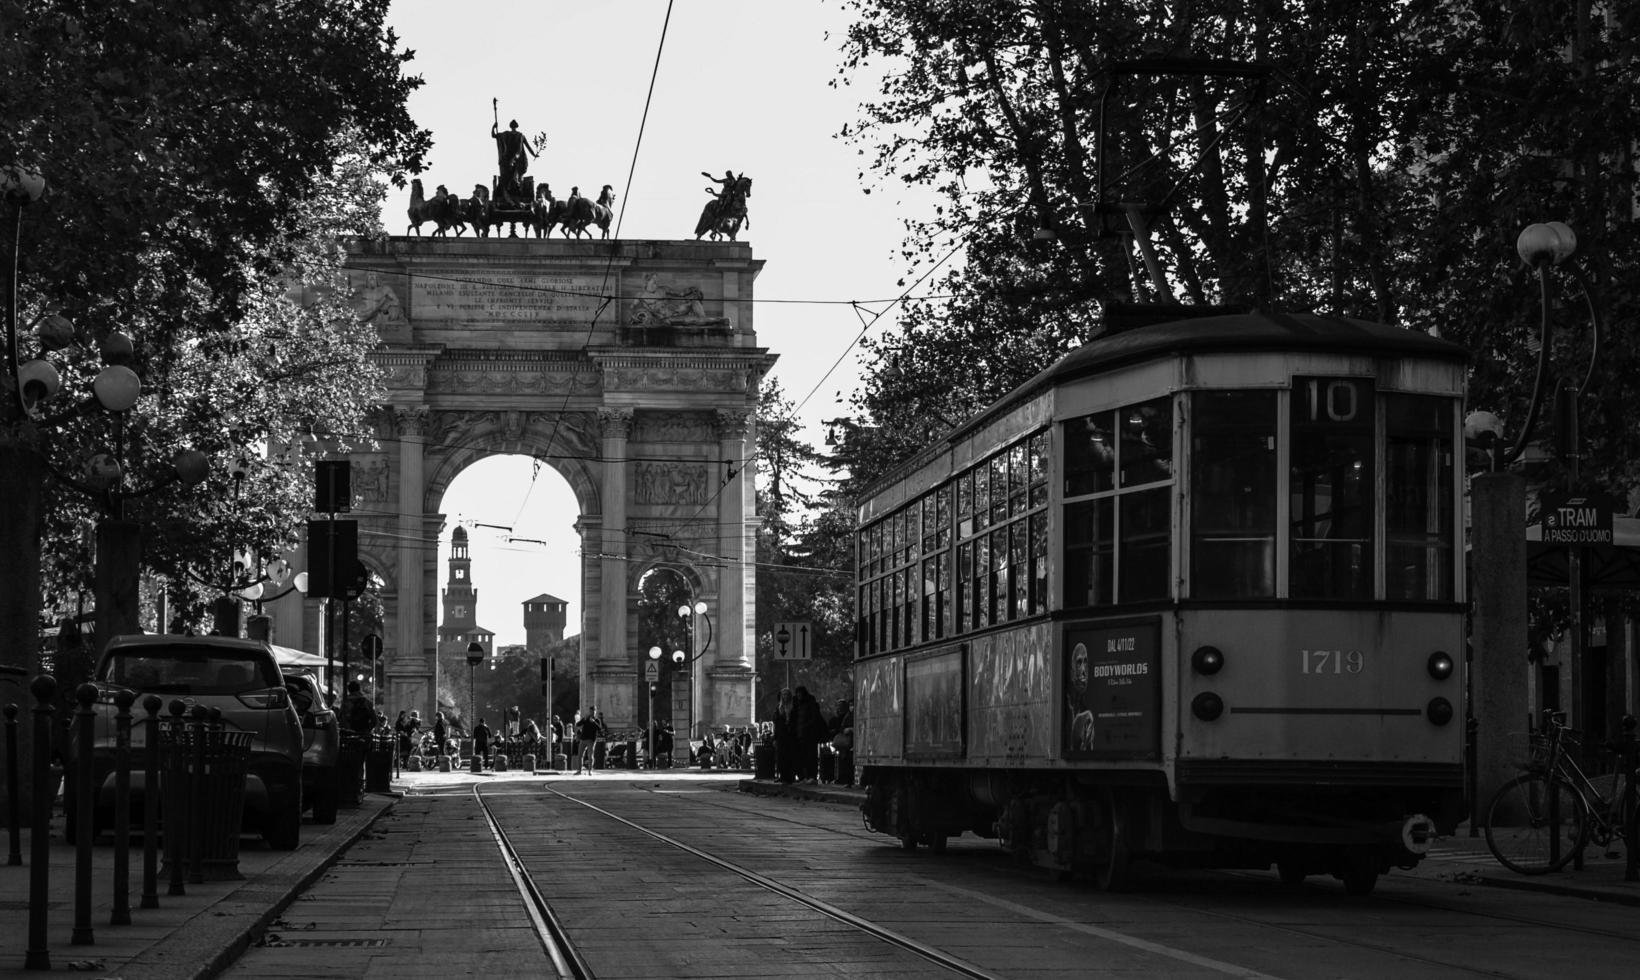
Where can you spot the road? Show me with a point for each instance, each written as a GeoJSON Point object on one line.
{"type": "Point", "coordinates": [681, 876]}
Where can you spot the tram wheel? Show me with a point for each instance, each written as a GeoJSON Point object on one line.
{"type": "Point", "coordinates": [1292, 873]}
{"type": "Point", "coordinates": [908, 841]}
{"type": "Point", "coordinates": [1360, 871]}
{"type": "Point", "coordinates": [1112, 871]}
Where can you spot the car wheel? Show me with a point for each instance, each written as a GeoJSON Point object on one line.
{"type": "Point", "coordinates": [325, 798]}
{"type": "Point", "coordinates": [284, 826]}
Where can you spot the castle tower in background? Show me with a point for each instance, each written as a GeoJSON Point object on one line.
{"type": "Point", "coordinates": [544, 620]}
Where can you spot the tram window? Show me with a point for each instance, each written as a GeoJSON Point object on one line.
{"type": "Point", "coordinates": [1233, 470]}
{"type": "Point", "coordinates": [1144, 561]}
{"type": "Point", "coordinates": [1146, 453]}
{"type": "Point", "coordinates": [965, 505]}
{"type": "Point", "coordinates": [999, 488]}
{"type": "Point", "coordinates": [965, 587]}
{"type": "Point", "coordinates": [1019, 570]}
{"type": "Point", "coordinates": [1090, 454]}
{"type": "Point", "coordinates": [943, 517]}
{"type": "Point", "coordinates": [982, 582]}
{"type": "Point", "coordinates": [1089, 553]}
{"type": "Point", "coordinates": [982, 497]}
{"type": "Point", "coordinates": [1019, 480]}
{"type": "Point", "coordinates": [1038, 463]}
{"type": "Point", "coordinates": [1039, 562]}
{"type": "Point", "coordinates": [997, 611]}
{"type": "Point", "coordinates": [1331, 483]}
{"type": "Point", "coordinates": [1420, 529]}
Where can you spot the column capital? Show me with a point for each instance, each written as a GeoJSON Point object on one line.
{"type": "Point", "coordinates": [732, 423]}
{"type": "Point", "coordinates": [615, 423]}
{"type": "Point", "coordinates": [413, 421]}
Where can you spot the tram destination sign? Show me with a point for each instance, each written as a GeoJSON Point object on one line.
{"type": "Point", "coordinates": [1577, 519]}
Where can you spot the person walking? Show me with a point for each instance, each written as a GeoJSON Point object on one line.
{"type": "Point", "coordinates": [842, 740]}
{"type": "Point", "coordinates": [588, 731]}
{"type": "Point", "coordinates": [361, 714]}
{"type": "Point", "coordinates": [785, 738]}
{"type": "Point", "coordinates": [409, 730]}
{"type": "Point", "coordinates": [809, 723]}
{"type": "Point", "coordinates": [481, 742]}
{"type": "Point", "coordinates": [441, 732]}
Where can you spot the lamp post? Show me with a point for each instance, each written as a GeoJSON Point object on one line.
{"type": "Point", "coordinates": [688, 613]}
{"type": "Point", "coordinates": [475, 656]}
{"type": "Point", "coordinates": [653, 673]}
{"type": "Point", "coordinates": [259, 626]}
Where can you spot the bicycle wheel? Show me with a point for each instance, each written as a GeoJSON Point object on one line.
{"type": "Point", "coordinates": [1519, 831]}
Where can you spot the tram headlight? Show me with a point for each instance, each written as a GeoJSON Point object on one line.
{"type": "Point", "coordinates": [1207, 660]}
{"type": "Point", "coordinates": [1440, 665]}
{"type": "Point", "coordinates": [1207, 706]}
{"type": "Point", "coordinates": [1439, 711]}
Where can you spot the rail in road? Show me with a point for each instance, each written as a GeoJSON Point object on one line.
{"type": "Point", "coordinates": [632, 877]}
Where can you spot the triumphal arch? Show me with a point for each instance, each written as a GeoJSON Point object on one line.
{"type": "Point", "coordinates": [631, 368]}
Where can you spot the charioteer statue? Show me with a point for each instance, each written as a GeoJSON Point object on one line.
{"type": "Point", "coordinates": [512, 157]}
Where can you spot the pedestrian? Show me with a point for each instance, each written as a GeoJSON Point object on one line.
{"type": "Point", "coordinates": [361, 714]}
{"type": "Point", "coordinates": [409, 732]}
{"type": "Point", "coordinates": [809, 723]}
{"type": "Point", "coordinates": [842, 740]}
{"type": "Point", "coordinates": [588, 731]}
{"type": "Point", "coordinates": [481, 742]}
{"type": "Point", "coordinates": [557, 730]}
{"type": "Point", "coordinates": [785, 738]}
{"type": "Point", "coordinates": [441, 731]}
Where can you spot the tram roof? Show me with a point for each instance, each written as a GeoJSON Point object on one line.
{"type": "Point", "coordinates": [1230, 333]}
{"type": "Point", "coordinates": [1235, 333]}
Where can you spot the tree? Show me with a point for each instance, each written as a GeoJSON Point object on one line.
{"type": "Point", "coordinates": [180, 142]}
{"type": "Point", "coordinates": [1377, 163]}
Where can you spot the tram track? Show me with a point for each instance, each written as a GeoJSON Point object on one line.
{"type": "Point", "coordinates": [562, 950]}
{"type": "Point", "coordinates": [1424, 903]}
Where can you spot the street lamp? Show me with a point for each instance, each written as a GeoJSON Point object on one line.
{"type": "Point", "coordinates": [475, 656]}
{"type": "Point", "coordinates": [654, 674]}
{"type": "Point", "coordinates": [687, 613]}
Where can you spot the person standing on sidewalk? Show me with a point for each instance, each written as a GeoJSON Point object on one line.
{"type": "Point", "coordinates": [810, 723]}
{"type": "Point", "coordinates": [785, 738]}
{"type": "Point", "coordinates": [588, 731]}
{"type": "Point", "coordinates": [842, 740]}
{"type": "Point", "coordinates": [481, 742]}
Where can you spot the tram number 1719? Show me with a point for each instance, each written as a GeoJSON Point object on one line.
{"type": "Point", "coordinates": [1331, 661]}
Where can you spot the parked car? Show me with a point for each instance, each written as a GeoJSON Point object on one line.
{"type": "Point", "coordinates": [321, 743]}
{"type": "Point", "coordinates": [238, 677]}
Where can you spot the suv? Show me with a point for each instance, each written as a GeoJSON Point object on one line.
{"type": "Point", "coordinates": [322, 742]}
{"type": "Point", "coordinates": [238, 677]}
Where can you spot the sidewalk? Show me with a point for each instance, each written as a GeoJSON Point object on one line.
{"type": "Point", "coordinates": [188, 936]}
{"type": "Point", "coordinates": [1460, 858]}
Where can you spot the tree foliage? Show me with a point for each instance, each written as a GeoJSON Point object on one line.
{"type": "Point", "coordinates": [1378, 164]}
{"type": "Point", "coordinates": [201, 159]}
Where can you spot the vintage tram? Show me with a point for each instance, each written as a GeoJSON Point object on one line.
{"type": "Point", "coordinates": [1192, 595]}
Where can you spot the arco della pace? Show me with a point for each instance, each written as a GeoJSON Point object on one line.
{"type": "Point", "coordinates": [629, 367]}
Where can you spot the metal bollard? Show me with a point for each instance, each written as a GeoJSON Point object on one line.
{"type": "Point", "coordinates": [176, 800]}
{"type": "Point", "coordinates": [150, 802]}
{"type": "Point", "coordinates": [44, 689]}
{"type": "Point", "coordinates": [85, 781]}
{"type": "Point", "coordinates": [196, 798]}
{"type": "Point", "coordinates": [121, 914]}
{"type": "Point", "coordinates": [13, 815]}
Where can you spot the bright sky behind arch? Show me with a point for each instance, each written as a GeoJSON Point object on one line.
{"type": "Point", "coordinates": [741, 85]}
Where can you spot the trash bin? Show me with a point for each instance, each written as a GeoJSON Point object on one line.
{"type": "Point", "coordinates": [763, 761]}
{"type": "Point", "coordinates": [203, 794]}
{"type": "Point", "coordinates": [378, 766]}
{"type": "Point", "coordinates": [350, 770]}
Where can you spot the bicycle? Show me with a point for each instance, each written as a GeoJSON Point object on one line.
{"type": "Point", "coordinates": [1539, 821]}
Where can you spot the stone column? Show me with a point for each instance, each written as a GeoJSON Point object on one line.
{"type": "Point", "coordinates": [730, 686]}
{"type": "Point", "coordinates": [1497, 586]}
{"type": "Point", "coordinates": [410, 667]}
{"type": "Point", "coordinates": [613, 671]}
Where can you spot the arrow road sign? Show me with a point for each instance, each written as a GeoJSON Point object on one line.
{"type": "Point", "coordinates": [793, 641]}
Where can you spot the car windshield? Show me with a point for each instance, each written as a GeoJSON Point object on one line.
{"type": "Point", "coordinates": [186, 670]}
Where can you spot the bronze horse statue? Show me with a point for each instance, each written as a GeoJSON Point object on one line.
{"type": "Point", "coordinates": [547, 212]}
{"type": "Point", "coordinates": [581, 212]}
{"type": "Point", "coordinates": [444, 211]}
{"type": "Point", "coordinates": [724, 214]}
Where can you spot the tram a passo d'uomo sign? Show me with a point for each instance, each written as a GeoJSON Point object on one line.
{"type": "Point", "coordinates": [1577, 519]}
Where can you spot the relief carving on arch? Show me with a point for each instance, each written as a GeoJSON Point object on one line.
{"type": "Point", "coordinates": [371, 477]}
{"type": "Point", "coordinates": [671, 483]}
{"type": "Point", "coordinates": [673, 379]}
